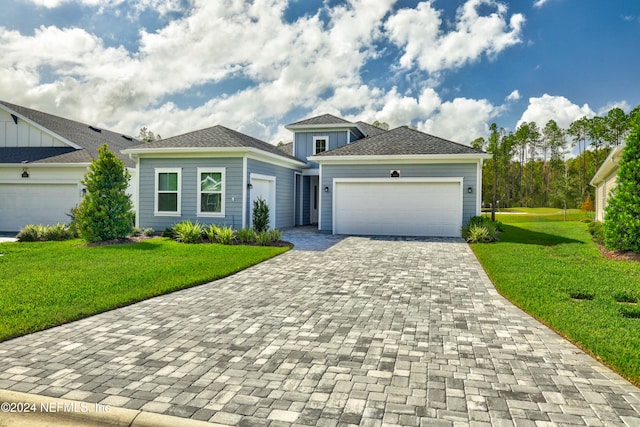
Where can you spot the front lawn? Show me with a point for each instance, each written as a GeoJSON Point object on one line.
{"type": "Point", "coordinates": [46, 284]}
{"type": "Point", "coordinates": [554, 271]}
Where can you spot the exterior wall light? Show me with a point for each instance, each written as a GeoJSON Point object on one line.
{"type": "Point", "coordinates": [25, 173]}
{"type": "Point", "coordinates": [250, 186]}
{"type": "Point", "coordinates": [326, 189]}
{"type": "Point", "coordinates": [469, 190]}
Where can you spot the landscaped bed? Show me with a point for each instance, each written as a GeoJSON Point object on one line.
{"type": "Point", "coordinates": [554, 271]}
{"type": "Point", "coordinates": [44, 284]}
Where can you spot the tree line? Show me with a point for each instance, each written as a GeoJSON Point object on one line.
{"type": "Point", "coordinates": [533, 166]}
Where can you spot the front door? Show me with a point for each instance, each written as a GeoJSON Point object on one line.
{"type": "Point", "coordinates": [315, 183]}
{"type": "Point", "coordinates": [263, 187]}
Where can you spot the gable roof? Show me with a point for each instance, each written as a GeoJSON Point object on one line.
{"type": "Point", "coordinates": [402, 141]}
{"type": "Point", "coordinates": [370, 130]}
{"type": "Point", "coordinates": [79, 134]}
{"type": "Point", "coordinates": [325, 119]}
{"type": "Point", "coordinates": [215, 137]}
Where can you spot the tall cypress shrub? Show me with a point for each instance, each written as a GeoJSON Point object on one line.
{"type": "Point", "coordinates": [622, 215]}
{"type": "Point", "coordinates": [107, 211]}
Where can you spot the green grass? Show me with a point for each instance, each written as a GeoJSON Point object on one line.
{"type": "Point", "coordinates": [46, 284]}
{"type": "Point", "coordinates": [517, 215]}
{"type": "Point", "coordinates": [553, 270]}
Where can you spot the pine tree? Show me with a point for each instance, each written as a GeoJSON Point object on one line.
{"type": "Point", "coordinates": [622, 218]}
{"type": "Point", "coordinates": [105, 213]}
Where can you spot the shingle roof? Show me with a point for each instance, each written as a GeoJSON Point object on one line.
{"type": "Point", "coordinates": [78, 133]}
{"type": "Point", "coordinates": [43, 155]}
{"type": "Point", "coordinates": [370, 130]}
{"type": "Point", "coordinates": [401, 141]}
{"type": "Point", "coordinates": [287, 148]}
{"type": "Point", "coordinates": [325, 119]}
{"type": "Point", "coordinates": [216, 137]}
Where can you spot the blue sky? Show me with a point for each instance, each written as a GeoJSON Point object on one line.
{"type": "Point", "coordinates": [448, 67]}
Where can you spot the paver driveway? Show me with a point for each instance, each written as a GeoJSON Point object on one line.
{"type": "Point", "coordinates": [354, 331]}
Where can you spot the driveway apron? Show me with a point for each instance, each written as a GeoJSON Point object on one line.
{"type": "Point", "coordinates": [353, 331]}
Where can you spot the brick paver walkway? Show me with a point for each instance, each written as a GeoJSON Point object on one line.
{"type": "Point", "coordinates": [351, 331]}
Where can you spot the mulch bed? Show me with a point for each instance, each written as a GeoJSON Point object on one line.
{"type": "Point", "coordinates": [619, 255]}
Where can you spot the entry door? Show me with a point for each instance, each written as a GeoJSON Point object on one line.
{"type": "Point", "coordinates": [315, 199]}
{"type": "Point", "coordinates": [265, 187]}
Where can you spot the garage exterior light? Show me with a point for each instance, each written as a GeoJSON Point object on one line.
{"type": "Point", "coordinates": [469, 190]}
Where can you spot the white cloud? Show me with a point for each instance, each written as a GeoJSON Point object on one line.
{"type": "Point", "coordinates": [539, 3]}
{"type": "Point", "coordinates": [419, 32]}
{"type": "Point", "coordinates": [311, 65]}
{"type": "Point", "coordinates": [461, 120]}
{"type": "Point", "coordinates": [514, 96]}
{"type": "Point", "coordinates": [623, 105]}
{"type": "Point", "coordinates": [558, 108]}
{"type": "Point", "coordinates": [160, 6]}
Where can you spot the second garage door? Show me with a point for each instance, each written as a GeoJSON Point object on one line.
{"type": "Point", "coordinates": [35, 204]}
{"type": "Point", "coordinates": [398, 208]}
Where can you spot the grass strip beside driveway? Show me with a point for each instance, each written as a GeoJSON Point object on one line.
{"type": "Point", "coordinates": [555, 272]}
{"type": "Point", "coordinates": [45, 284]}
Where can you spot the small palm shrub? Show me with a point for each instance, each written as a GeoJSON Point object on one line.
{"type": "Point", "coordinates": [188, 232]}
{"type": "Point", "coordinates": [267, 238]}
{"type": "Point", "coordinates": [246, 235]}
{"type": "Point", "coordinates": [211, 233]}
{"type": "Point", "coordinates": [57, 232]}
{"type": "Point", "coordinates": [226, 235]}
{"type": "Point", "coordinates": [274, 235]}
{"type": "Point", "coordinates": [31, 233]}
{"type": "Point", "coordinates": [42, 233]}
{"type": "Point", "coordinates": [481, 229]}
{"type": "Point", "coordinates": [260, 215]}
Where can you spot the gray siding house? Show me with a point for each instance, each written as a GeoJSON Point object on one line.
{"type": "Point", "coordinates": [345, 177]}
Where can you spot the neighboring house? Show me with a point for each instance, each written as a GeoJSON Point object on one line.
{"type": "Point", "coordinates": [43, 158]}
{"type": "Point", "coordinates": [605, 180]}
{"type": "Point", "coordinates": [348, 178]}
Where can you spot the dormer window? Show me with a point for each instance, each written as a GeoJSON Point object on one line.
{"type": "Point", "coordinates": [320, 144]}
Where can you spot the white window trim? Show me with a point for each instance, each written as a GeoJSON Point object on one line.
{"type": "Point", "coordinates": [220, 214]}
{"type": "Point", "coordinates": [326, 142]}
{"type": "Point", "coordinates": [158, 171]}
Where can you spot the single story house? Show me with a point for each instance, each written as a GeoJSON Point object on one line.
{"type": "Point", "coordinates": [605, 180]}
{"type": "Point", "coordinates": [345, 177]}
{"type": "Point", "coordinates": [43, 158]}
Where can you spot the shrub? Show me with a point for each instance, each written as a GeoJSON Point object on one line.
{"type": "Point", "coordinates": [57, 232]}
{"type": "Point", "coordinates": [211, 233]}
{"type": "Point", "coordinates": [42, 233]}
{"type": "Point", "coordinates": [246, 235]}
{"type": "Point", "coordinates": [31, 233]}
{"type": "Point", "coordinates": [274, 235]}
{"type": "Point", "coordinates": [481, 229]}
{"type": "Point", "coordinates": [226, 235]}
{"type": "Point", "coordinates": [260, 215]}
{"type": "Point", "coordinates": [169, 232]}
{"type": "Point", "coordinates": [597, 232]}
{"type": "Point", "coordinates": [105, 213]}
{"type": "Point", "coordinates": [263, 238]}
{"type": "Point", "coordinates": [142, 232]}
{"type": "Point", "coordinates": [188, 232]}
{"type": "Point", "coordinates": [622, 217]}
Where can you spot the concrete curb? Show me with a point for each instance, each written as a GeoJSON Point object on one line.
{"type": "Point", "coordinates": [23, 409]}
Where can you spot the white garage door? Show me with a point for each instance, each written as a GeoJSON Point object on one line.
{"type": "Point", "coordinates": [398, 208]}
{"type": "Point", "coordinates": [22, 204]}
